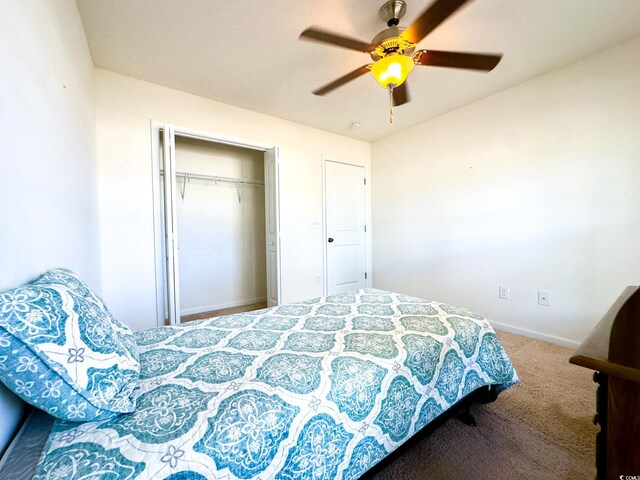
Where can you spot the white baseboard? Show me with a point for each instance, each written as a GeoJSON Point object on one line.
{"type": "Point", "coordinates": [220, 306]}
{"type": "Point", "coordinates": [533, 334]}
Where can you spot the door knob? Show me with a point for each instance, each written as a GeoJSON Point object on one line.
{"type": "Point", "coordinates": [330, 240]}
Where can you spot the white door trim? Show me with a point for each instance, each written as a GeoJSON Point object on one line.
{"type": "Point", "coordinates": [272, 225]}
{"type": "Point", "coordinates": [158, 197]}
{"type": "Point", "coordinates": [171, 226]}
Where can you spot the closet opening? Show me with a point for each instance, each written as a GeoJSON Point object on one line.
{"type": "Point", "coordinates": [217, 226]}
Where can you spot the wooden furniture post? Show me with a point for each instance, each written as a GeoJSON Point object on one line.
{"type": "Point", "coordinates": [613, 350]}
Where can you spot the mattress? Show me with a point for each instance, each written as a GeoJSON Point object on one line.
{"type": "Point", "coordinates": [21, 458]}
{"type": "Point", "coordinates": [320, 389]}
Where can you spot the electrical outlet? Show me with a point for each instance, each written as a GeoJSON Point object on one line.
{"type": "Point", "coordinates": [318, 279]}
{"type": "Point", "coordinates": [503, 292]}
{"type": "Point", "coordinates": [543, 298]}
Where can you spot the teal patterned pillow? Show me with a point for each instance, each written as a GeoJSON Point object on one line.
{"type": "Point", "coordinates": [62, 351]}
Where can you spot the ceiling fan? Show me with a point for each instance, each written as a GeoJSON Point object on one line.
{"type": "Point", "coordinates": [393, 49]}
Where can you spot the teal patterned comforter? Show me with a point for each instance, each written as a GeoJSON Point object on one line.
{"type": "Point", "coordinates": [321, 389]}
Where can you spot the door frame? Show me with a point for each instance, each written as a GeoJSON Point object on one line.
{"type": "Point", "coordinates": [367, 220]}
{"type": "Point", "coordinates": [158, 200]}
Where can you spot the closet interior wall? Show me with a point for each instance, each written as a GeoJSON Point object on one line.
{"type": "Point", "coordinates": [221, 227]}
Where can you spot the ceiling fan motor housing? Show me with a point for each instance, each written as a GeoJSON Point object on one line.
{"type": "Point", "coordinates": [389, 42]}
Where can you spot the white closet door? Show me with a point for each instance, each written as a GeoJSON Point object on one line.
{"type": "Point", "coordinates": [271, 202]}
{"type": "Point", "coordinates": [171, 224]}
{"type": "Point", "coordinates": [345, 224]}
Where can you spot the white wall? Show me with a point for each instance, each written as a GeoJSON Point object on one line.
{"type": "Point", "coordinates": [125, 107]}
{"type": "Point", "coordinates": [222, 238]}
{"type": "Point", "coordinates": [47, 164]}
{"type": "Point", "coordinates": [534, 188]}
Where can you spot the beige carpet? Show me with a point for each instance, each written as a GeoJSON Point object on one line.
{"type": "Point", "coordinates": [539, 429]}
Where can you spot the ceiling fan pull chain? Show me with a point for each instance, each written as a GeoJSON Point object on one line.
{"type": "Point", "coordinates": [391, 103]}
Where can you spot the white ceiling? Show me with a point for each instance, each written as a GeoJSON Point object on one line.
{"type": "Point", "coordinates": [247, 53]}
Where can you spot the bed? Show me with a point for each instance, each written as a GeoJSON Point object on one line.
{"type": "Point", "coordinates": [320, 389]}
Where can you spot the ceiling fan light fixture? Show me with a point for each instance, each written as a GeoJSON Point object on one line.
{"type": "Point", "coordinates": [392, 69]}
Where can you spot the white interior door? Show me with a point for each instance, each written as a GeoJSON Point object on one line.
{"type": "Point", "coordinates": [345, 227]}
{"type": "Point", "coordinates": [272, 227]}
{"type": "Point", "coordinates": [171, 224]}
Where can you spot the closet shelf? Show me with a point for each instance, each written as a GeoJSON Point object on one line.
{"type": "Point", "coordinates": [240, 183]}
{"type": "Point", "coordinates": [217, 179]}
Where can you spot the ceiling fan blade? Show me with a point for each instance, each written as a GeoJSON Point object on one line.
{"type": "Point", "coordinates": [342, 80]}
{"type": "Point", "coordinates": [331, 38]}
{"type": "Point", "coordinates": [471, 61]}
{"type": "Point", "coordinates": [433, 16]}
{"type": "Point", "coordinates": [401, 95]}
